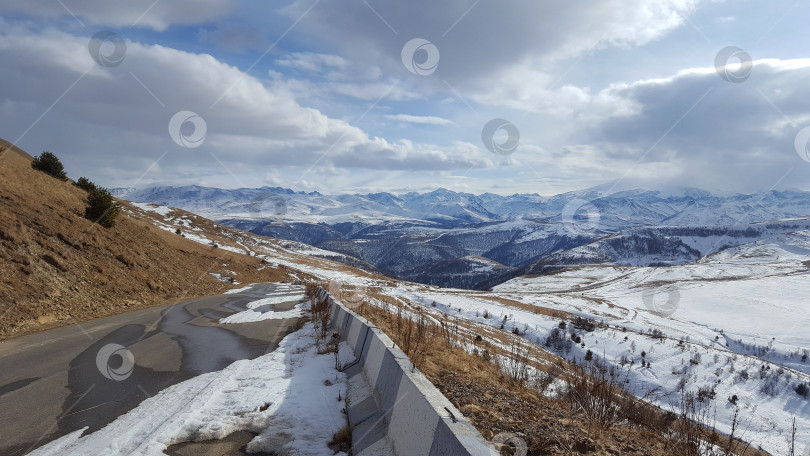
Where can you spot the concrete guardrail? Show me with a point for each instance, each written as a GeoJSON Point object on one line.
{"type": "Point", "coordinates": [393, 407]}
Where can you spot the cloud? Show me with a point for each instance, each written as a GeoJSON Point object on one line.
{"type": "Point", "coordinates": [492, 55]}
{"type": "Point", "coordinates": [327, 75]}
{"type": "Point", "coordinates": [510, 89]}
{"type": "Point", "coordinates": [313, 62]}
{"type": "Point", "coordinates": [117, 118]}
{"type": "Point", "coordinates": [477, 40]}
{"type": "Point", "coordinates": [696, 127]}
{"type": "Point", "coordinates": [328, 105]}
{"type": "Point", "coordinates": [691, 128]}
{"type": "Point", "coordinates": [234, 37]}
{"type": "Point", "coordinates": [429, 120]}
{"type": "Point", "coordinates": [144, 13]}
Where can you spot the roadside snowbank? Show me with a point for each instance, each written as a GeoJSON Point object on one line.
{"type": "Point", "coordinates": [264, 309]}
{"type": "Point", "coordinates": [250, 315]}
{"type": "Point", "coordinates": [289, 397]}
{"type": "Point", "coordinates": [239, 290]}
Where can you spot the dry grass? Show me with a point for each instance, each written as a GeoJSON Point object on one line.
{"type": "Point", "coordinates": [58, 268]}
{"type": "Point", "coordinates": [493, 388]}
{"type": "Point", "coordinates": [559, 314]}
{"type": "Point", "coordinates": [342, 439]}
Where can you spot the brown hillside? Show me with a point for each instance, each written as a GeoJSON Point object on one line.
{"type": "Point", "coordinates": [6, 146]}
{"type": "Point", "coordinates": [58, 268]}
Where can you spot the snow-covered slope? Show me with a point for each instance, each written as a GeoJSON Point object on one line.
{"type": "Point", "coordinates": [733, 323]}
{"type": "Point", "coordinates": [660, 246]}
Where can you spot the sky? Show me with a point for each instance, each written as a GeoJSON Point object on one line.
{"type": "Point", "coordinates": [359, 96]}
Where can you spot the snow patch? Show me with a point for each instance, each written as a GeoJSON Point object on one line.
{"type": "Point", "coordinates": [289, 397]}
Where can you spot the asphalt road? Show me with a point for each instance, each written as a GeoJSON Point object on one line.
{"type": "Point", "coordinates": [59, 381]}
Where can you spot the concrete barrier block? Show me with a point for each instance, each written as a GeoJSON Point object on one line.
{"type": "Point", "coordinates": [379, 448]}
{"type": "Point", "coordinates": [387, 384]}
{"type": "Point", "coordinates": [340, 317]}
{"type": "Point", "coordinates": [354, 331]}
{"type": "Point", "coordinates": [364, 414]}
{"type": "Point", "coordinates": [373, 358]}
{"type": "Point", "coordinates": [434, 397]}
{"type": "Point", "coordinates": [459, 439]}
{"type": "Point", "coordinates": [345, 320]}
{"type": "Point", "coordinates": [389, 344]}
{"type": "Point", "coordinates": [362, 351]}
{"type": "Point", "coordinates": [413, 421]}
{"type": "Point", "coordinates": [360, 343]}
{"type": "Point", "coordinates": [335, 314]}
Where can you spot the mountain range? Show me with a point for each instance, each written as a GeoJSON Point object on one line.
{"type": "Point", "coordinates": [455, 239]}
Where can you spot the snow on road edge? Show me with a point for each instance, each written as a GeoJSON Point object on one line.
{"type": "Point", "coordinates": [298, 387]}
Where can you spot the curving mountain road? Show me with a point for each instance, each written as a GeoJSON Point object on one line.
{"type": "Point", "coordinates": [56, 382]}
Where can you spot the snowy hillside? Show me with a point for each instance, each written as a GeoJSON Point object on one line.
{"type": "Point", "coordinates": [661, 246]}
{"type": "Point", "coordinates": [734, 322]}
{"type": "Point", "coordinates": [730, 326]}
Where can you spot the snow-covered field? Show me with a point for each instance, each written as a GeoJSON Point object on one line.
{"type": "Point", "coordinates": [742, 315]}
{"type": "Point", "coordinates": [734, 322]}
{"type": "Point", "coordinates": [288, 397]}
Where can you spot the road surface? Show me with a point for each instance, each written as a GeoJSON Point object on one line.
{"type": "Point", "coordinates": [56, 382]}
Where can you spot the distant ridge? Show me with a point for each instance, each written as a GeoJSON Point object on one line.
{"type": "Point", "coordinates": [434, 237]}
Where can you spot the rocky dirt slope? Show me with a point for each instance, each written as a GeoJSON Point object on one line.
{"type": "Point", "coordinates": [58, 268]}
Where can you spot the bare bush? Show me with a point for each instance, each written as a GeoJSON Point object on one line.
{"type": "Point", "coordinates": [412, 333]}
{"type": "Point", "coordinates": [515, 363]}
{"type": "Point", "coordinates": [692, 433]}
{"type": "Point", "coordinates": [595, 389]}
{"type": "Point", "coordinates": [321, 313]}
